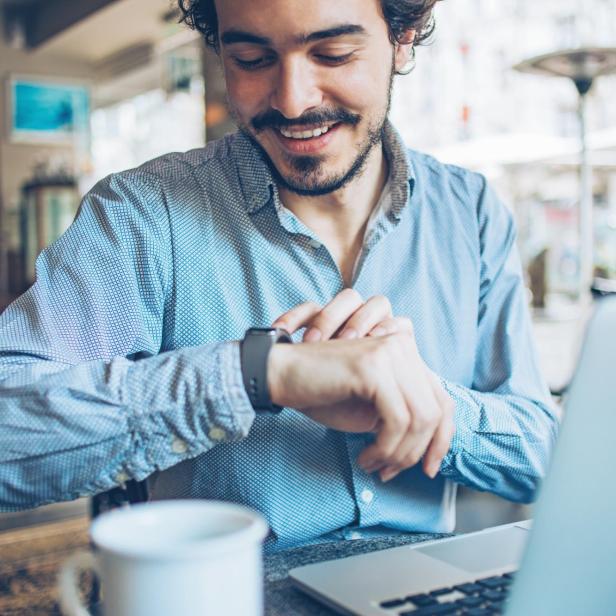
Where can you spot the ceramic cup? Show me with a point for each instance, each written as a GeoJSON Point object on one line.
{"type": "Point", "coordinates": [167, 558]}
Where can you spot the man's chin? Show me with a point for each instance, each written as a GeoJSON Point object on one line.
{"type": "Point", "coordinates": [306, 175]}
{"type": "Point", "coordinates": [308, 186]}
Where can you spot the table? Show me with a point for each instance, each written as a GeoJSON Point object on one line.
{"type": "Point", "coordinates": [30, 559]}
{"type": "Point", "coordinates": [29, 563]}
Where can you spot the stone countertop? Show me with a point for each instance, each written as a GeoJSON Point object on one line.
{"type": "Point", "coordinates": [283, 599]}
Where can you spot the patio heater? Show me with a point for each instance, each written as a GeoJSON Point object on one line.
{"type": "Point", "coordinates": [582, 65]}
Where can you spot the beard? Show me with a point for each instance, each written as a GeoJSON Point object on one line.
{"type": "Point", "coordinates": [309, 175]}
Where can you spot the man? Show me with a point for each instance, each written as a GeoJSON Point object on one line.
{"type": "Point", "coordinates": [123, 360]}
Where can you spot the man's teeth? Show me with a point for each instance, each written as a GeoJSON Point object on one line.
{"type": "Point", "coordinates": [304, 134]}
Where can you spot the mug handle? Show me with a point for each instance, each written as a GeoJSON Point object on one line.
{"type": "Point", "coordinates": [68, 582]}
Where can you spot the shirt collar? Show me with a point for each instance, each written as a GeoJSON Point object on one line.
{"type": "Point", "coordinates": [258, 186]}
{"type": "Point", "coordinates": [401, 173]}
{"type": "Point", "coordinates": [255, 178]}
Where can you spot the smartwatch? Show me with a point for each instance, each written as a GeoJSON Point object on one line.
{"type": "Point", "coordinates": [254, 351]}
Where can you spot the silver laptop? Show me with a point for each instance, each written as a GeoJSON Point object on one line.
{"type": "Point", "coordinates": [566, 561]}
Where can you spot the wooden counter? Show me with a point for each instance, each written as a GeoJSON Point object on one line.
{"type": "Point", "coordinates": [29, 563]}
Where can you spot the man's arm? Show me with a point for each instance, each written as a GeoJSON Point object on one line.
{"type": "Point", "coordinates": [86, 401]}
{"type": "Point", "coordinates": [506, 421]}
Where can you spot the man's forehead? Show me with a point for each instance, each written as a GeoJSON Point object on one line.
{"type": "Point", "coordinates": [296, 19]}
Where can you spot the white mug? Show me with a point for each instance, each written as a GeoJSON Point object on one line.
{"type": "Point", "coordinates": [175, 557]}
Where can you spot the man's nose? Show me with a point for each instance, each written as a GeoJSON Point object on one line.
{"type": "Point", "coordinates": [296, 90]}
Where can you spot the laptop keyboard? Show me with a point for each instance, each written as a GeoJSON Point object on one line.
{"type": "Point", "coordinates": [483, 597]}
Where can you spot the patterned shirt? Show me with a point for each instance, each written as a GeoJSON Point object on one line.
{"type": "Point", "coordinates": [122, 360]}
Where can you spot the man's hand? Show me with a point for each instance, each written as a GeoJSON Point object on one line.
{"type": "Point", "coordinates": [371, 379]}
{"type": "Point", "coordinates": [345, 317]}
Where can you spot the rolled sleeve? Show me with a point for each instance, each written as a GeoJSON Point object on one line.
{"type": "Point", "coordinates": [506, 423]}
{"type": "Point", "coordinates": [194, 396]}
{"type": "Point", "coordinates": [502, 443]}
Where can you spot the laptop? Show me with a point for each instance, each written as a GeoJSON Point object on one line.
{"type": "Point", "coordinates": [566, 557]}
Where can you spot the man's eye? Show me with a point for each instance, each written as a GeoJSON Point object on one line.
{"type": "Point", "coordinates": [333, 59]}
{"type": "Point", "coordinates": [254, 64]}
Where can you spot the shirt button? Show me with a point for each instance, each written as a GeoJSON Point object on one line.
{"type": "Point", "coordinates": [367, 496]}
{"type": "Point", "coordinates": [179, 446]}
{"type": "Point", "coordinates": [122, 477]}
{"type": "Point", "coordinates": [314, 244]}
{"type": "Point", "coordinates": [217, 434]}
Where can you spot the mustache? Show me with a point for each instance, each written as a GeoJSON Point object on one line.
{"type": "Point", "coordinates": [272, 118]}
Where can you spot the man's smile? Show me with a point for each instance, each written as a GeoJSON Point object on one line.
{"type": "Point", "coordinates": [303, 140]}
{"type": "Point", "coordinates": [305, 133]}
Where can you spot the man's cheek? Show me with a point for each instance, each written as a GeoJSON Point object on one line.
{"type": "Point", "coordinates": [245, 104]}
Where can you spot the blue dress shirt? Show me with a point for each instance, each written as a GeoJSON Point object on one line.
{"type": "Point", "coordinates": [122, 360]}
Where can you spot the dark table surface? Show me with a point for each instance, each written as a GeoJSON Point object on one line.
{"type": "Point", "coordinates": [282, 599]}
{"type": "Point", "coordinates": [31, 557]}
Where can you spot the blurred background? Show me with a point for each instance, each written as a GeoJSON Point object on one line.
{"type": "Point", "coordinates": [89, 87]}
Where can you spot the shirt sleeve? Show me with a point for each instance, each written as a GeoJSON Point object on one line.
{"type": "Point", "coordinates": [87, 399]}
{"type": "Point", "coordinates": [506, 422]}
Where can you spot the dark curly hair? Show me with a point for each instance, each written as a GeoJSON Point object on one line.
{"type": "Point", "coordinates": [400, 15]}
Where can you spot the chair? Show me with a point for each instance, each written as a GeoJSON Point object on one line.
{"type": "Point", "coordinates": [131, 493]}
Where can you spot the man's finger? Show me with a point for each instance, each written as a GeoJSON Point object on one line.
{"type": "Point", "coordinates": [415, 443]}
{"type": "Point", "coordinates": [391, 408]}
{"type": "Point", "coordinates": [425, 417]}
{"type": "Point", "coordinates": [297, 317]}
{"type": "Point", "coordinates": [376, 310]}
{"type": "Point", "coordinates": [395, 325]}
{"type": "Point", "coordinates": [333, 316]}
{"type": "Point", "coordinates": [438, 448]}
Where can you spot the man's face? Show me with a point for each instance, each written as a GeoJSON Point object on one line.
{"type": "Point", "coordinates": [310, 82]}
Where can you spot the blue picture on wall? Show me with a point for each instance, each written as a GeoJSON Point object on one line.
{"type": "Point", "coordinates": [45, 111]}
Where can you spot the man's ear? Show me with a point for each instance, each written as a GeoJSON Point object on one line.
{"type": "Point", "coordinates": [404, 50]}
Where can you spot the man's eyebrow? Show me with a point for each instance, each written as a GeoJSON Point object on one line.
{"type": "Point", "coordinates": [240, 36]}
{"type": "Point", "coordinates": [233, 36]}
{"type": "Point", "coordinates": [342, 30]}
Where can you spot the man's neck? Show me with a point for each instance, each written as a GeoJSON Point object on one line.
{"type": "Point", "coordinates": [339, 219]}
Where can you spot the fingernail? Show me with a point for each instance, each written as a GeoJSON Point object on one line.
{"type": "Point", "coordinates": [348, 334]}
{"type": "Point", "coordinates": [388, 474]}
{"type": "Point", "coordinates": [379, 331]}
{"type": "Point", "coordinates": [433, 469]}
{"type": "Point", "coordinates": [312, 335]}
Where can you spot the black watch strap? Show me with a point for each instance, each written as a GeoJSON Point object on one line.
{"type": "Point", "coordinates": [254, 351]}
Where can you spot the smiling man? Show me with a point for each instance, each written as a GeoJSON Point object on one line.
{"type": "Point", "coordinates": [397, 277]}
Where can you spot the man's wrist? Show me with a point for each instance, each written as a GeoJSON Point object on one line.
{"type": "Point", "coordinates": [254, 350]}
{"type": "Point", "coordinates": [276, 366]}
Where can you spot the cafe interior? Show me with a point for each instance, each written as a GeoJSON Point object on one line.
{"type": "Point", "coordinates": [92, 87]}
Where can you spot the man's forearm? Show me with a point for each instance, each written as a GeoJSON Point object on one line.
{"type": "Point", "coordinates": [502, 442]}
{"type": "Point", "coordinates": [79, 430]}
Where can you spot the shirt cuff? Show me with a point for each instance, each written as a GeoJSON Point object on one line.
{"type": "Point", "coordinates": [235, 401]}
{"type": "Point", "coordinates": [183, 403]}
{"type": "Point", "coordinates": [465, 417]}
